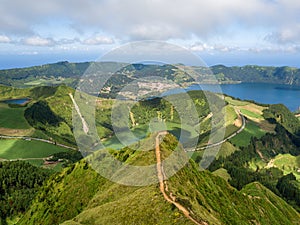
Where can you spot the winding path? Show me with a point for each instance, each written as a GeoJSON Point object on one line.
{"type": "Point", "coordinates": [163, 186]}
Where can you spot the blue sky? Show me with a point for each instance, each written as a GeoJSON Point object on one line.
{"type": "Point", "coordinates": [230, 32]}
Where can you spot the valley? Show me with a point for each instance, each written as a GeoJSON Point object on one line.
{"type": "Point", "coordinates": [154, 112]}
{"type": "Point", "coordinates": [242, 157]}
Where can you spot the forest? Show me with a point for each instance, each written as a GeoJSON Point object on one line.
{"type": "Point", "coordinates": [20, 182]}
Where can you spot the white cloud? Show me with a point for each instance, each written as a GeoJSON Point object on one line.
{"type": "Point", "coordinates": [224, 48]}
{"type": "Point", "coordinates": [38, 41]}
{"type": "Point", "coordinates": [154, 32]}
{"type": "Point", "coordinates": [276, 49]}
{"type": "Point", "coordinates": [28, 53]}
{"type": "Point", "coordinates": [128, 20]}
{"type": "Point", "coordinates": [98, 40]}
{"type": "Point", "coordinates": [131, 17]}
{"type": "Point", "coordinates": [200, 47]}
{"type": "Point", "coordinates": [4, 39]}
{"type": "Point", "coordinates": [67, 41]}
{"type": "Point", "coordinates": [288, 34]}
{"type": "Point", "coordinates": [204, 47]}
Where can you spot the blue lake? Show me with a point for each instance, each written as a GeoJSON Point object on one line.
{"type": "Point", "coordinates": [19, 101]}
{"type": "Point", "coordinates": [259, 92]}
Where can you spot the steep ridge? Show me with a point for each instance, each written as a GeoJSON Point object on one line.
{"type": "Point", "coordinates": [163, 186]}
{"type": "Point", "coordinates": [51, 112]}
{"type": "Point", "coordinates": [80, 196]}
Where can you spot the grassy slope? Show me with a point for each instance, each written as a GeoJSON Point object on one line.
{"type": "Point", "coordinates": [212, 198]}
{"type": "Point", "coordinates": [51, 103]}
{"type": "Point", "coordinates": [225, 150]}
{"type": "Point", "coordinates": [63, 196]}
{"type": "Point", "coordinates": [231, 115]}
{"type": "Point", "coordinates": [222, 173]}
{"type": "Point", "coordinates": [129, 205]}
{"type": "Point", "coordinates": [61, 104]}
{"type": "Point", "coordinates": [288, 164]}
{"type": "Point", "coordinates": [82, 196]}
{"type": "Point", "coordinates": [283, 116]}
{"type": "Point", "coordinates": [7, 92]}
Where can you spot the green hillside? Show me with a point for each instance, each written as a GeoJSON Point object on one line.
{"type": "Point", "coordinates": [242, 162]}
{"type": "Point", "coordinates": [264, 74]}
{"type": "Point", "coordinates": [43, 75]}
{"type": "Point", "coordinates": [79, 195]}
{"type": "Point", "coordinates": [52, 113]}
{"type": "Point", "coordinates": [283, 116]}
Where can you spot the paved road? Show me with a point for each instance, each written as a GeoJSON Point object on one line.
{"type": "Point", "coordinates": [224, 140]}
{"type": "Point", "coordinates": [22, 159]}
{"type": "Point", "coordinates": [163, 186]}
{"type": "Point", "coordinates": [37, 139]}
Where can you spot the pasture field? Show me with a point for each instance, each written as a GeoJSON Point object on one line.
{"type": "Point", "coordinates": [251, 114]}
{"type": "Point", "coordinates": [24, 149]}
{"type": "Point", "coordinates": [251, 130]}
{"type": "Point", "coordinates": [49, 81]}
{"type": "Point", "coordinates": [235, 102]}
{"type": "Point", "coordinates": [13, 118]}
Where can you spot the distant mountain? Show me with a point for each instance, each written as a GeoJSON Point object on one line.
{"type": "Point", "coordinates": [264, 74]}
{"type": "Point", "coordinates": [69, 73]}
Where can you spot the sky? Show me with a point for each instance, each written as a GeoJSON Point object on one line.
{"type": "Point", "coordinates": [229, 32]}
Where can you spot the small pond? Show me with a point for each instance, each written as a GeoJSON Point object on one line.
{"type": "Point", "coordinates": [19, 101]}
